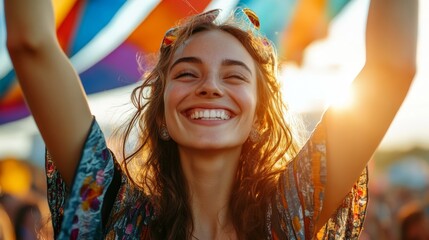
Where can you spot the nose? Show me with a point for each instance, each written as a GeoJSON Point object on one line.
{"type": "Point", "coordinates": [209, 88]}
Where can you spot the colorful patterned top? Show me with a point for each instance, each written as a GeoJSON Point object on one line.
{"type": "Point", "coordinates": [79, 212]}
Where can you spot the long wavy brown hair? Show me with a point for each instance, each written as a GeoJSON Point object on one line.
{"type": "Point", "coordinates": [160, 175]}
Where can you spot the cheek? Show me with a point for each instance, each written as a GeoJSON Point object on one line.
{"type": "Point", "coordinates": [247, 100]}
{"type": "Point", "coordinates": [173, 95]}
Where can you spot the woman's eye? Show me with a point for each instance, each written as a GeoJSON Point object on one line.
{"type": "Point", "coordinates": [185, 75]}
{"type": "Point", "coordinates": [236, 77]}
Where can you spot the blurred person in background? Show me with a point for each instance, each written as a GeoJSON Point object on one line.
{"type": "Point", "coordinates": [6, 227]}
{"type": "Point", "coordinates": [413, 219]}
{"type": "Point", "coordinates": [28, 222]}
{"type": "Point", "coordinates": [23, 199]}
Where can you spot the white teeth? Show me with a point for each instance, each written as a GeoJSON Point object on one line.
{"type": "Point", "coordinates": [210, 114]}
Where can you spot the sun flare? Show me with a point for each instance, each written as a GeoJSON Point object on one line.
{"type": "Point", "coordinates": [340, 98]}
{"type": "Point", "coordinates": [309, 90]}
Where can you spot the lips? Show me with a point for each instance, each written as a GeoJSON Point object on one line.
{"type": "Point", "coordinates": [208, 114]}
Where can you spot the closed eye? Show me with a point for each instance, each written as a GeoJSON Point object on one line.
{"type": "Point", "coordinates": [236, 78]}
{"type": "Point", "coordinates": [185, 74]}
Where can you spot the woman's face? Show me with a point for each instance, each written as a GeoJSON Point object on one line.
{"type": "Point", "coordinates": [210, 95]}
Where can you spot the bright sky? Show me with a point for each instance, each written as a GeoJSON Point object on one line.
{"type": "Point", "coordinates": [329, 66]}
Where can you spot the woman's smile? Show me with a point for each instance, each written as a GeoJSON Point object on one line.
{"type": "Point", "coordinates": [209, 114]}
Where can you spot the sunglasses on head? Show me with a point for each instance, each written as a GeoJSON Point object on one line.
{"type": "Point", "coordinates": [208, 17]}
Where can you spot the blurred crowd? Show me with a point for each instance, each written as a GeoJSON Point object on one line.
{"type": "Point", "coordinates": [398, 198]}
{"type": "Point", "coordinates": [24, 211]}
{"type": "Point", "coordinates": [398, 206]}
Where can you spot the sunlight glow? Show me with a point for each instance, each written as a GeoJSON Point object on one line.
{"type": "Point", "coordinates": [315, 88]}
{"type": "Point", "coordinates": [329, 65]}
{"type": "Point", "coordinates": [340, 99]}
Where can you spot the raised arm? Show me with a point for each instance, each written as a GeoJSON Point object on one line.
{"type": "Point", "coordinates": [50, 85]}
{"type": "Point", "coordinates": [354, 133]}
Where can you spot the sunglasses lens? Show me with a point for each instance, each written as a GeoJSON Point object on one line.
{"type": "Point", "coordinates": [251, 15]}
{"type": "Point", "coordinates": [209, 16]}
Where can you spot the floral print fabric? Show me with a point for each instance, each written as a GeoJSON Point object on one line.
{"type": "Point", "coordinates": [77, 213]}
{"type": "Point", "coordinates": [298, 202]}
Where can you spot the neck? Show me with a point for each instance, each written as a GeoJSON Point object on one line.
{"type": "Point", "coordinates": [210, 176]}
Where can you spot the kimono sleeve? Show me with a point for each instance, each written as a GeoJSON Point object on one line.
{"type": "Point", "coordinates": [300, 194]}
{"type": "Point", "coordinates": [77, 212]}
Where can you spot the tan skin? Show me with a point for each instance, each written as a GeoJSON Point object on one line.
{"type": "Point", "coordinates": [51, 85]}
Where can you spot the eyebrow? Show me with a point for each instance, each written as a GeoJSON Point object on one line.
{"type": "Point", "coordinates": [231, 62]}
{"type": "Point", "coordinates": [225, 62]}
{"type": "Point", "coordinates": [187, 60]}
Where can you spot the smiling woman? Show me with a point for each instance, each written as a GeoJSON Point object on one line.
{"type": "Point", "coordinates": [215, 157]}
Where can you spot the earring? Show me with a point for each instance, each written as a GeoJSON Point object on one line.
{"type": "Point", "coordinates": [254, 135]}
{"type": "Point", "coordinates": [163, 132]}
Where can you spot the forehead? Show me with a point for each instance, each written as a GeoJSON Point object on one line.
{"type": "Point", "coordinates": [214, 45]}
